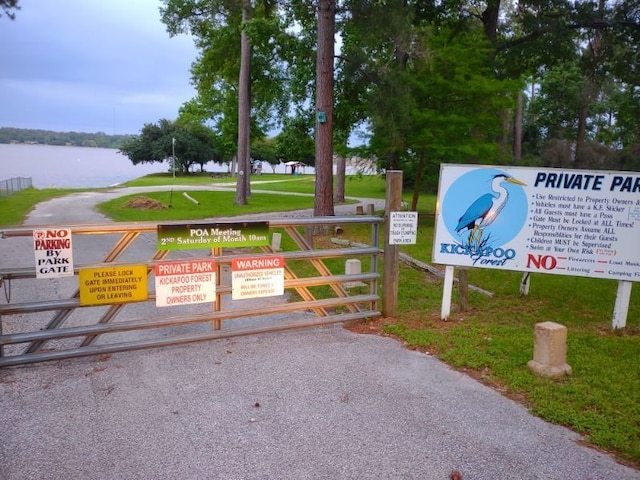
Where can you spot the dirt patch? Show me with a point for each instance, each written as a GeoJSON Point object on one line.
{"type": "Point", "coordinates": [145, 203]}
{"type": "Point", "coordinates": [413, 320]}
{"type": "Point", "coordinates": [375, 325]}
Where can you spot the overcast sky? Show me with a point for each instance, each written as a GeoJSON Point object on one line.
{"type": "Point", "coordinates": [90, 66]}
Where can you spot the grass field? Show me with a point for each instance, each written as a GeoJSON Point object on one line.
{"type": "Point", "coordinates": [493, 339]}
{"type": "Point", "coordinates": [175, 206]}
{"type": "Point", "coordinates": [15, 208]}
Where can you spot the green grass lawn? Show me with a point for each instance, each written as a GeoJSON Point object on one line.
{"type": "Point", "coordinates": [165, 178]}
{"type": "Point", "coordinates": [492, 340]}
{"type": "Point", "coordinates": [15, 208]}
{"type": "Point", "coordinates": [368, 186]}
{"type": "Point", "coordinates": [211, 204]}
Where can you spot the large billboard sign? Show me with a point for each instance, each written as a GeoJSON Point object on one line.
{"type": "Point", "coordinates": [569, 222]}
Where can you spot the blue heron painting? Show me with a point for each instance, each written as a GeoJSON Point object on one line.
{"type": "Point", "coordinates": [485, 209]}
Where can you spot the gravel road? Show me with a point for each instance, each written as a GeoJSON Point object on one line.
{"type": "Point", "coordinates": [321, 403]}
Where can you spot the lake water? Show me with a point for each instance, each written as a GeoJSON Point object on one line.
{"type": "Point", "coordinates": [81, 167]}
{"type": "Point", "coordinates": [71, 167]}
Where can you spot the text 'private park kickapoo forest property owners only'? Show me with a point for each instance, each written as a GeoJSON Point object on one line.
{"type": "Point", "coordinates": [185, 283]}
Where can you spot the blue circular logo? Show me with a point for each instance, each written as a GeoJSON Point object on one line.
{"type": "Point", "coordinates": [485, 207]}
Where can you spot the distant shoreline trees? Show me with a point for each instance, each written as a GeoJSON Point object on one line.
{"type": "Point", "coordinates": [70, 139]}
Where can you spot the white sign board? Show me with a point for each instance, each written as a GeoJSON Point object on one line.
{"type": "Point", "coordinates": [257, 277]}
{"type": "Point", "coordinates": [53, 253]}
{"type": "Point", "coordinates": [184, 283]}
{"type": "Point", "coordinates": [403, 228]}
{"type": "Point", "coordinates": [569, 222]}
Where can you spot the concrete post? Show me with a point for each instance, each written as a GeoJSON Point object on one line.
{"type": "Point", "coordinates": [276, 240]}
{"type": "Point", "coordinates": [550, 350]}
{"type": "Point", "coordinates": [353, 266]}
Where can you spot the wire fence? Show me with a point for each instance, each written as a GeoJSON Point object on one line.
{"type": "Point", "coordinates": [13, 185]}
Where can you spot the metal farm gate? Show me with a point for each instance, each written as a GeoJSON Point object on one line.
{"type": "Point", "coordinates": [43, 315]}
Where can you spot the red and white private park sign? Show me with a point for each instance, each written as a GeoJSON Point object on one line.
{"type": "Point", "coordinates": [184, 283]}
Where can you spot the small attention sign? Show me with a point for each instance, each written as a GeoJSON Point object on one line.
{"type": "Point", "coordinates": [213, 235]}
{"type": "Point", "coordinates": [257, 277]}
{"type": "Point", "coordinates": [184, 283]}
{"type": "Point", "coordinates": [121, 284]}
{"type": "Point", "coordinates": [403, 228]}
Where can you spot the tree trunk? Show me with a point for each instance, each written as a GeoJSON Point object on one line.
{"type": "Point", "coordinates": [244, 109]}
{"type": "Point", "coordinates": [586, 101]}
{"type": "Point", "coordinates": [393, 160]}
{"type": "Point", "coordinates": [417, 183]}
{"type": "Point", "coordinates": [589, 92]}
{"type": "Point", "coordinates": [341, 167]}
{"type": "Point", "coordinates": [324, 109]}
{"type": "Point", "coordinates": [517, 130]}
{"type": "Point", "coordinates": [490, 20]}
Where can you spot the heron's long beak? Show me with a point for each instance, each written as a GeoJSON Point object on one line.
{"type": "Point", "coordinates": [517, 182]}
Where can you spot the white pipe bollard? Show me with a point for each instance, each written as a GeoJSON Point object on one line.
{"type": "Point", "coordinates": [188, 197]}
{"type": "Point", "coordinates": [447, 290]}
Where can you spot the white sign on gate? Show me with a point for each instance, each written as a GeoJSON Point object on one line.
{"type": "Point", "coordinates": [560, 221]}
{"type": "Point", "coordinates": [184, 283]}
{"type": "Point", "coordinates": [53, 253]}
{"type": "Point", "coordinates": [257, 277]}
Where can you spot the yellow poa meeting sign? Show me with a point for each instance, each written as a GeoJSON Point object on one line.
{"type": "Point", "coordinates": [560, 221]}
{"type": "Point", "coordinates": [121, 284]}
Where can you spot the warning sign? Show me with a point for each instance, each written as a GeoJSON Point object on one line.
{"type": "Point", "coordinates": [121, 284]}
{"type": "Point", "coordinates": [183, 283]}
{"type": "Point", "coordinates": [53, 253]}
{"type": "Point", "coordinates": [257, 277]}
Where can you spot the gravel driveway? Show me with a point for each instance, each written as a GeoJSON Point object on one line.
{"type": "Point", "coordinates": [320, 403]}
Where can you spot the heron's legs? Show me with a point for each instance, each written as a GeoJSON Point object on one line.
{"type": "Point", "coordinates": [475, 236]}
